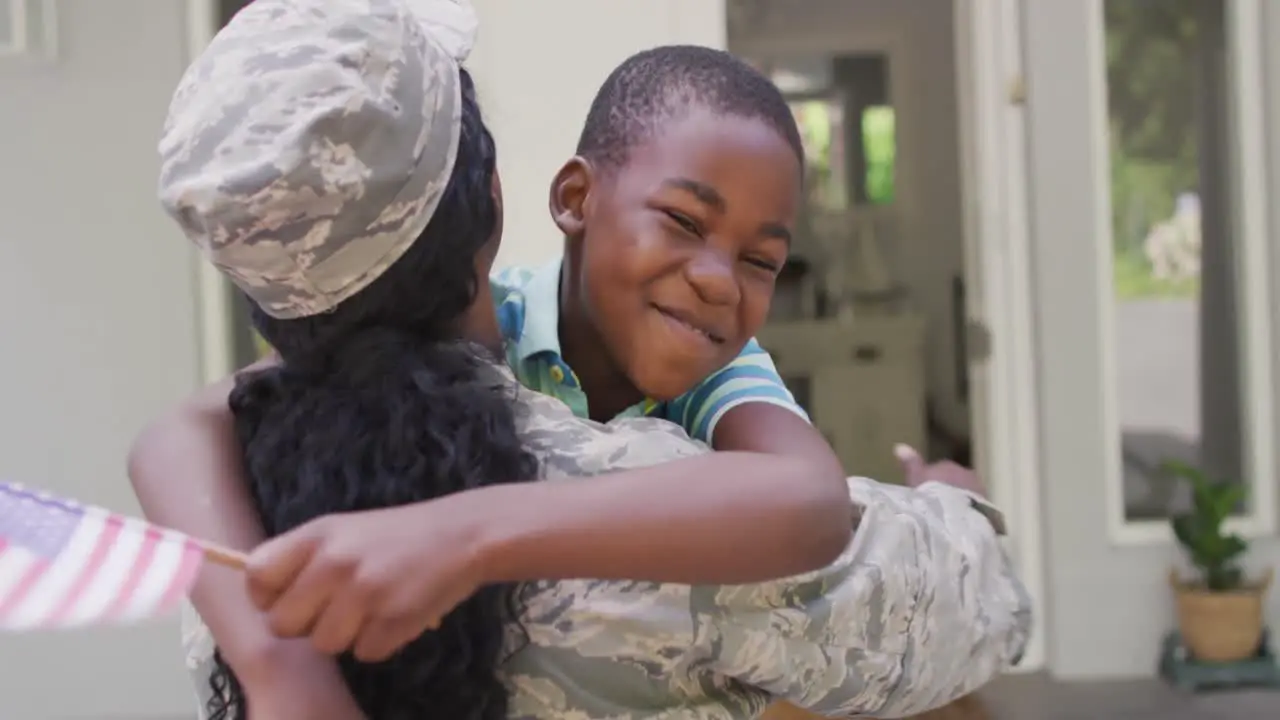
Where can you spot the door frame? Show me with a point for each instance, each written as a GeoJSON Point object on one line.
{"type": "Point", "coordinates": [998, 268]}
{"type": "Point", "coordinates": [214, 324]}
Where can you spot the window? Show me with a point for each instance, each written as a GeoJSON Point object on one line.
{"type": "Point", "coordinates": [842, 107]}
{"type": "Point", "coordinates": [28, 28]}
{"type": "Point", "coordinates": [1175, 247]}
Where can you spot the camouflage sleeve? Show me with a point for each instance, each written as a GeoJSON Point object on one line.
{"type": "Point", "coordinates": [922, 607]}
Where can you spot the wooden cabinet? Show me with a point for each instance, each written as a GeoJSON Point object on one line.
{"type": "Point", "coordinates": [861, 382]}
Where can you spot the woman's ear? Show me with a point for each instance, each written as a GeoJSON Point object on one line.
{"type": "Point", "coordinates": [569, 190]}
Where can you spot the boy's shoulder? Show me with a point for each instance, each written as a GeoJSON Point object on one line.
{"type": "Point", "coordinates": [750, 377]}
{"type": "Point", "coordinates": [510, 279]}
{"type": "Point", "coordinates": [520, 282]}
{"type": "Point", "coordinates": [527, 300]}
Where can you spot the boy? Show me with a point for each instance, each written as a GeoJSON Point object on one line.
{"type": "Point", "coordinates": [677, 215]}
{"type": "Point", "coordinates": [671, 250]}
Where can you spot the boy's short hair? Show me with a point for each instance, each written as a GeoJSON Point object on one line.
{"type": "Point", "coordinates": [662, 84]}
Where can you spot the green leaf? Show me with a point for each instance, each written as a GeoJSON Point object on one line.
{"type": "Point", "coordinates": [1230, 497]}
{"type": "Point", "coordinates": [1200, 530]}
{"type": "Point", "coordinates": [1224, 578]}
{"type": "Point", "coordinates": [1178, 470]}
{"type": "Point", "coordinates": [1184, 530]}
{"type": "Point", "coordinates": [1233, 547]}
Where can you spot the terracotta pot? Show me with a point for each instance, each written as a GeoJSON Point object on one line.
{"type": "Point", "coordinates": [1220, 626]}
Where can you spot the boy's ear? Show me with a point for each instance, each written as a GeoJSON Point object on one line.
{"type": "Point", "coordinates": [568, 201]}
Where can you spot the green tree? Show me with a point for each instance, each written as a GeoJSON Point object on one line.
{"type": "Point", "coordinates": [1153, 78]}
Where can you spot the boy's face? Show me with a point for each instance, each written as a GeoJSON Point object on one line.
{"type": "Point", "coordinates": [676, 251]}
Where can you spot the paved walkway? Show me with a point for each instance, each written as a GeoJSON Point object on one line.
{"type": "Point", "coordinates": [1158, 387]}
{"type": "Point", "coordinates": [1035, 697]}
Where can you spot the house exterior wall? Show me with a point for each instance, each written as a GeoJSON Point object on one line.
{"type": "Point", "coordinates": [97, 313]}
{"type": "Point", "coordinates": [537, 66]}
{"type": "Point", "coordinates": [1109, 602]}
{"type": "Point", "coordinates": [99, 297]}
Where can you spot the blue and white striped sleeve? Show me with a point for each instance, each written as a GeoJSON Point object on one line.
{"type": "Point", "coordinates": [751, 377]}
{"type": "Point", "coordinates": [507, 287]}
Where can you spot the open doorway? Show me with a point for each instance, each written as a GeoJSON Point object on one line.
{"type": "Point", "coordinates": [871, 318]}
{"type": "Point", "coordinates": [906, 316]}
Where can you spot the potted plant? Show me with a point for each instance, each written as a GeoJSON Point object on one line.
{"type": "Point", "coordinates": [1220, 612]}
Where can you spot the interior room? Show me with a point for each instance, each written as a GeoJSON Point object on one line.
{"type": "Point", "coordinates": [871, 325]}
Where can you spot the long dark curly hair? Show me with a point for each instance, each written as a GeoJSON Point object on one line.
{"type": "Point", "coordinates": [380, 403]}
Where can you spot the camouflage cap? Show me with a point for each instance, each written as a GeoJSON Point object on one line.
{"type": "Point", "coordinates": [308, 146]}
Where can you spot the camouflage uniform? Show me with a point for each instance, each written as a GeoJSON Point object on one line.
{"type": "Point", "coordinates": [307, 148]}
{"type": "Point", "coordinates": [921, 608]}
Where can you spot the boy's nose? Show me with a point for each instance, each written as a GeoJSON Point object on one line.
{"type": "Point", "coordinates": [711, 275]}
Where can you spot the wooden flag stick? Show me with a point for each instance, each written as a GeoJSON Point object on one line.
{"type": "Point", "coordinates": [225, 557]}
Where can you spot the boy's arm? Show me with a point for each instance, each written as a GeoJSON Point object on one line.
{"type": "Point", "coordinates": [697, 519]}
{"type": "Point", "coordinates": [656, 508]}
{"type": "Point", "coordinates": [660, 508]}
{"type": "Point", "coordinates": [721, 518]}
{"type": "Point", "coordinates": [185, 469]}
{"type": "Point", "coordinates": [360, 581]}
{"type": "Point", "coordinates": [745, 406]}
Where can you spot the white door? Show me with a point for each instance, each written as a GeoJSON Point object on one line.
{"type": "Point", "coordinates": [97, 311]}
{"type": "Point", "coordinates": [1152, 252]}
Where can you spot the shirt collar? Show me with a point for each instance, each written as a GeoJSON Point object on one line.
{"type": "Point", "coordinates": [541, 333]}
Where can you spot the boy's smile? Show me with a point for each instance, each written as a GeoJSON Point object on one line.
{"type": "Point", "coordinates": [688, 323]}
{"type": "Point", "coordinates": [673, 254]}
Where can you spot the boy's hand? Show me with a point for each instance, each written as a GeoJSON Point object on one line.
{"type": "Point", "coordinates": [945, 472]}
{"type": "Point", "coordinates": [368, 581]}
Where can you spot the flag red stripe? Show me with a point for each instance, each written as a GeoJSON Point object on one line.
{"type": "Point", "coordinates": [30, 578]}
{"type": "Point", "coordinates": [141, 563]}
{"type": "Point", "coordinates": [101, 549]}
{"type": "Point", "coordinates": [192, 558]}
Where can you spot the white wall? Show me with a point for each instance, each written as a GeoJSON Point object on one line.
{"type": "Point", "coordinates": [538, 65]}
{"type": "Point", "coordinates": [96, 320]}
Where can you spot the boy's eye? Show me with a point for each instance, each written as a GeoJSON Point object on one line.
{"type": "Point", "coordinates": [764, 264]}
{"type": "Point", "coordinates": [685, 223]}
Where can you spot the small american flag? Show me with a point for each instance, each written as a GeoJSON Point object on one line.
{"type": "Point", "coordinates": [65, 565]}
